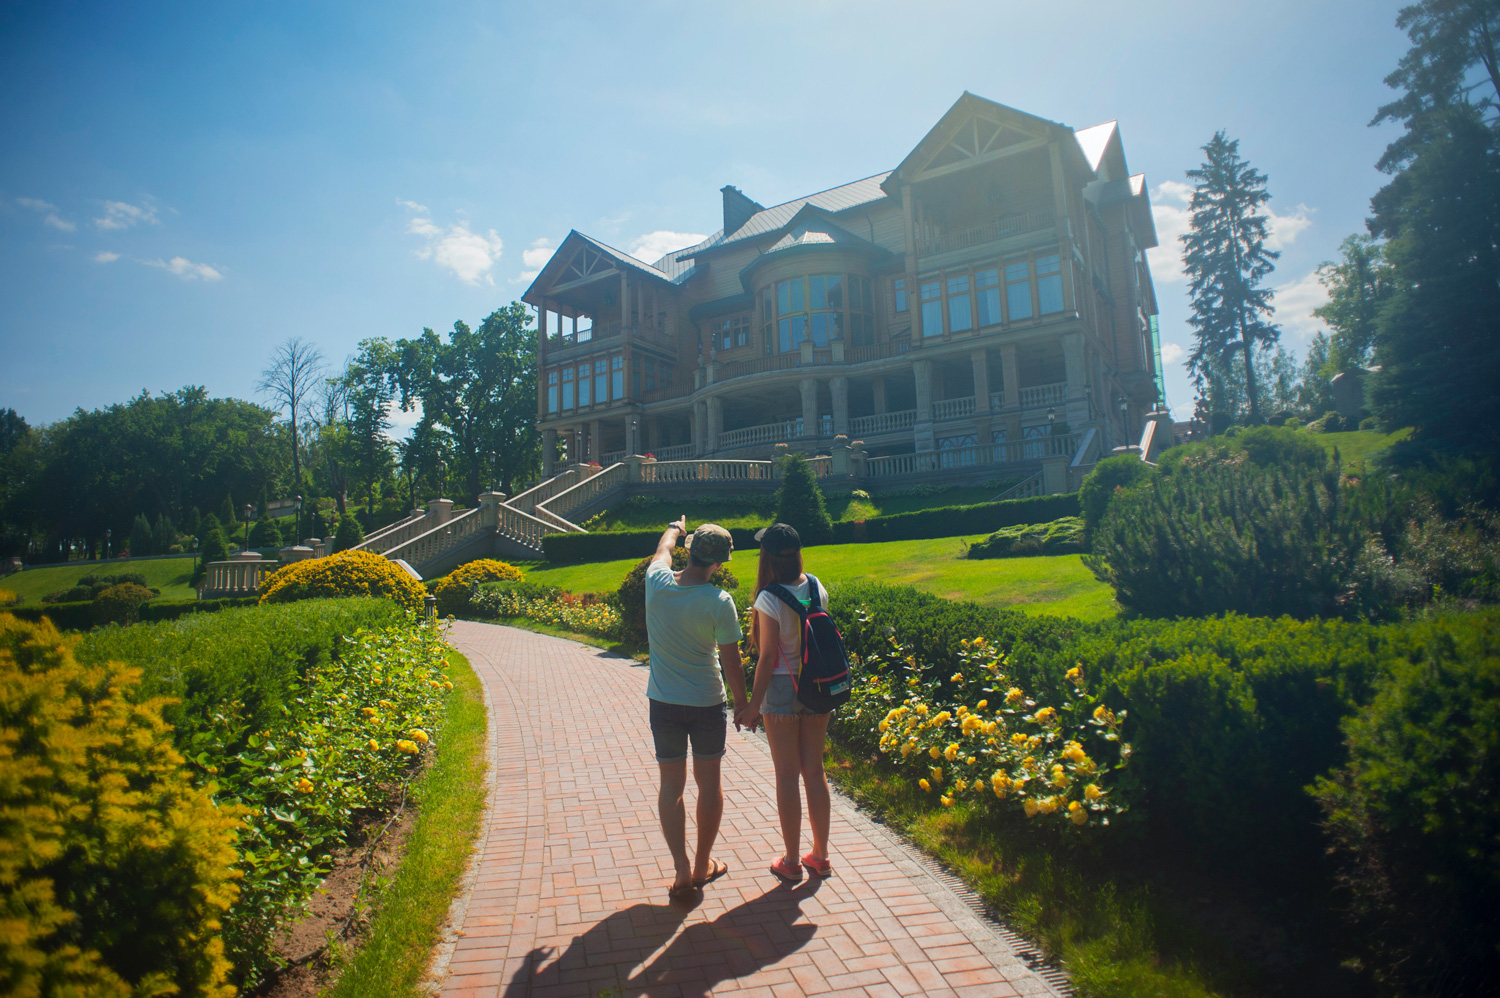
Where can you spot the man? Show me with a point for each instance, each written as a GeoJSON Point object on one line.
{"type": "Point", "coordinates": [692, 628]}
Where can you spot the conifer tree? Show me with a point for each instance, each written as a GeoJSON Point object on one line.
{"type": "Point", "coordinates": [799, 501]}
{"type": "Point", "coordinates": [1226, 260]}
{"type": "Point", "coordinates": [140, 536]}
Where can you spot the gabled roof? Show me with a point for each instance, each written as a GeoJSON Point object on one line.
{"type": "Point", "coordinates": [565, 253]}
{"type": "Point", "coordinates": [762, 223]}
{"type": "Point", "coordinates": [810, 230]}
{"type": "Point", "coordinates": [964, 108]}
{"type": "Point", "coordinates": [1094, 141]}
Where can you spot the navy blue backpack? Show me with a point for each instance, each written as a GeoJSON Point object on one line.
{"type": "Point", "coordinates": [823, 681]}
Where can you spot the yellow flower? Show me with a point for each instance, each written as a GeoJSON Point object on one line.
{"type": "Point", "coordinates": [906, 750]}
{"type": "Point", "coordinates": [1092, 791]}
{"type": "Point", "coordinates": [969, 761]}
{"type": "Point", "coordinates": [1046, 715]}
{"type": "Point", "coordinates": [957, 677]}
{"type": "Point", "coordinates": [372, 745]}
{"type": "Point", "coordinates": [934, 752]}
{"type": "Point", "coordinates": [410, 748]}
{"type": "Point", "coordinates": [921, 707]}
{"type": "Point", "coordinates": [1031, 808]}
{"type": "Point", "coordinates": [972, 724]}
{"type": "Point", "coordinates": [1073, 752]}
{"type": "Point", "coordinates": [304, 785]}
{"type": "Point", "coordinates": [1014, 695]}
{"type": "Point", "coordinates": [959, 786]}
{"type": "Point", "coordinates": [925, 785]}
{"type": "Point", "coordinates": [947, 801]}
{"type": "Point", "coordinates": [1104, 715]}
{"type": "Point", "coordinates": [943, 717]}
{"type": "Point", "coordinates": [912, 681]}
{"type": "Point", "coordinates": [951, 752]}
{"type": "Point", "coordinates": [1075, 675]}
{"type": "Point", "coordinates": [981, 705]}
{"type": "Point", "coordinates": [1000, 783]}
{"type": "Point", "coordinates": [1018, 739]}
{"type": "Point", "coordinates": [418, 735]}
{"type": "Point", "coordinates": [447, 685]}
{"type": "Point", "coordinates": [367, 711]}
{"type": "Point", "coordinates": [1077, 815]}
{"type": "Point", "coordinates": [1048, 805]}
{"type": "Point", "coordinates": [937, 774]}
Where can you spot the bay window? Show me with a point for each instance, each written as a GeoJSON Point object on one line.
{"type": "Point", "coordinates": [601, 380]}
{"type": "Point", "coordinates": [932, 307]}
{"type": "Point", "coordinates": [987, 296]}
{"type": "Point", "coordinates": [1018, 290]}
{"type": "Point", "coordinates": [583, 385]}
{"type": "Point", "coordinates": [567, 387]}
{"type": "Point", "coordinates": [1049, 291]}
{"type": "Point", "coordinates": [960, 314]}
{"type": "Point", "coordinates": [551, 391]}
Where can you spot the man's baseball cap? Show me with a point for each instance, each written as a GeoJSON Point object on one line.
{"type": "Point", "coordinates": [779, 539]}
{"type": "Point", "coordinates": [711, 543]}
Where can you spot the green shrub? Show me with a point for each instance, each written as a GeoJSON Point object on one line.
{"type": "Point", "coordinates": [80, 616]}
{"type": "Point", "coordinates": [1413, 814]}
{"type": "Point", "coordinates": [630, 598]}
{"type": "Point", "coordinates": [213, 545]}
{"type": "Point", "coordinates": [1329, 422]}
{"type": "Point", "coordinates": [454, 590]}
{"type": "Point", "coordinates": [90, 586]}
{"type": "Point", "coordinates": [1270, 446]}
{"type": "Point", "coordinates": [1122, 471]}
{"type": "Point", "coordinates": [139, 541]}
{"type": "Point", "coordinates": [1370, 423]}
{"type": "Point", "coordinates": [799, 501]}
{"type": "Point", "coordinates": [583, 614]}
{"type": "Point", "coordinates": [1062, 536]}
{"type": "Point", "coordinates": [574, 549]}
{"type": "Point", "coordinates": [115, 870]}
{"type": "Point", "coordinates": [347, 573]}
{"type": "Point", "coordinates": [120, 604]}
{"type": "Point", "coordinates": [955, 521]}
{"type": "Point", "coordinates": [349, 533]}
{"type": "Point", "coordinates": [1218, 534]}
{"type": "Point", "coordinates": [266, 533]}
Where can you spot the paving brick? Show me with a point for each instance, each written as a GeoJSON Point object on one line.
{"type": "Point", "coordinates": [570, 892]}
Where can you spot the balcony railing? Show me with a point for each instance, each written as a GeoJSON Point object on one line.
{"type": "Point", "coordinates": [882, 422]}
{"type": "Point", "coordinates": [997, 401]}
{"type": "Point", "coordinates": [876, 351]}
{"type": "Point", "coordinates": [895, 465]}
{"type": "Point", "coordinates": [767, 433]}
{"type": "Point", "coordinates": [662, 472]}
{"type": "Point", "coordinates": [666, 392]}
{"type": "Point", "coordinates": [978, 235]}
{"type": "Point", "coordinates": [953, 408]}
{"type": "Point", "coordinates": [760, 365]}
{"type": "Point", "coordinates": [674, 453]}
{"type": "Point", "coordinates": [1040, 395]}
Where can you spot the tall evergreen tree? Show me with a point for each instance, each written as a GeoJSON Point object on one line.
{"type": "Point", "coordinates": [1226, 260]}
{"type": "Point", "coordinates": [1358, 284]}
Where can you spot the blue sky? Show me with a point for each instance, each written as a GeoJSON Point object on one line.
{"type": "Point", "coordinates": [182, 186]}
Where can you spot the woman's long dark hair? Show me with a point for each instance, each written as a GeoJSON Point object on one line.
{"type": "Point", "coordinates": [783, 568]}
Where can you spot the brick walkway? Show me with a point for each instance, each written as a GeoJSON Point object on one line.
{"type": "Point", "coordinates": [568, 887]}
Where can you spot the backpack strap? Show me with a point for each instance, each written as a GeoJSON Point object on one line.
{"type": "Point", "coordinates": [785, 595]}
{"type": "Point", "coordinates": [815, 600]}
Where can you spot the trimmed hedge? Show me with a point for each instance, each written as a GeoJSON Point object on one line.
{"type": "Point", "coordinates": [944, 521]}
{"type": "Point", "coordinates": [1063, 536]}
{"type": "Point", "coordinates": [954, 521]}
{"type": "Point", "coordinates": [80, 616]}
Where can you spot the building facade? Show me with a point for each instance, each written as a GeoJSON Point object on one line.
{"type": "Point", "coordinates": [988, 302]}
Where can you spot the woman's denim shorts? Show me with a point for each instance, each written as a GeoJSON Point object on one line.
{"type": "Point", "coordinates": [781, 698]}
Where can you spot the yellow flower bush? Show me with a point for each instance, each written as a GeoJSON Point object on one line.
{"type": "Point", "coordinates": [454, 590]}
{"type": "Point", "coordinates": [1046, 760]}
{"type": "Point", "coordinates": [559, 609]}
{"type": "Point", "coordinates": [347, 573]}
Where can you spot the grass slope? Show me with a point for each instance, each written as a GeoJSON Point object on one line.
{"type": "Point", "coordinates": [1057, 585]}
{"type": "Point", "coordinates": [170, 575]}
{"type": "Point", "coordinates": [1357, 446]}
{"type": "Point", "coordinates": [450, 800]}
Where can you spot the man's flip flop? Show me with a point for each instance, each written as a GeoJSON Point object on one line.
{"type": "Point", "coordinates": [718, 871]}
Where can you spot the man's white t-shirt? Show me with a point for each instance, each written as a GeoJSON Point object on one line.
{"type": "Point", "coordinates": [685, 626]}
{"type": "Point", "coordinates": [789, 662]}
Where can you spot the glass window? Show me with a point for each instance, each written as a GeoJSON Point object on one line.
{"type": "Point", "coordinates": [601, 380]}
{"type": "Point", "coordinates": [960, 312]}
{"type": "Point", "coordinates": [987, 295]}
{"type": "Point", "coordinates": [583, 385]}
{"type": "Point", "coordinates": [1049, 284]}
{"type": "Point", "coordinates": [932, 308]}
{"type": "Point", "coordinates": [900, 285]}
{"type": "Point", "coordinates": [567, 388]}
{"type": "Point", "coordinates": [1018, 290]}
{"type": "Point", "coordinates": [650, 367]}
{"type": "Point", "coordinates": [666, 373]}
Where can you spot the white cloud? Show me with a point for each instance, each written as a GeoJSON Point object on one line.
{"type": "Point", "coordinates": [1171, 353]}
{"type": "Point", "coordinates": [105, 256]}
{"type": "Point", "coordinates": [402, 423]}
{"type": "Point", "coordinates": [1294, 304]}
{"type": "Point", "coordinates": [534, 259]}
{"type": "Point", "coordinates": [470, 255]}
{"type": "Point", "coordinates": [122, 215]}
{"type": "Point", "coordinates": [1169, 210]}
{"type": "Point", "coordinates": [654, 245]}
{"type": "Point", "coordinates": [52, 218]}
{"type": "Point", "coordinates": [186, 269]}
{"type": "Point", "coordinates": [1283, 230]}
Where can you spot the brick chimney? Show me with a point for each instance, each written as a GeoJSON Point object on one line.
{"type": "Point", "coordinates": [737, 209]}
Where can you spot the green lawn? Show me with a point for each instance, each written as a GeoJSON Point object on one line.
{"type": "Point", "coordinates": [170, 575]}
{"type": "Point", "coordinates": [640, 513]}
{"type": "Point", "coordinates": [1357, 446]}
{"type": "Point", "coordinates": [1055, 585]}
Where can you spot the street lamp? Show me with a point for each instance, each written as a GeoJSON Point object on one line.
{"type": "Point", "coordinates": [193, 544]}
{"type": "Point", "coordinates": [494, 473]}
{"type": "Point", "coordinates": [1051, 417]}
{"type": "Point", "coordinates": [1088, 395]}
{"type": "Point", "coordinates": [442, 469]}
{"type": "Point", "coordinates": [249, 512]}
{"type": "Point", "coordinates": [107, 534]}
{"type": "Point", "coordinates": [297, 505]}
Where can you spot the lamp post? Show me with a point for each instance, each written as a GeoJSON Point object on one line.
{"type": "Point", "coordinates": [297, 506]}
{"type": "Point", "coordinates": [442, 469]}
{"type": "Point", "coordinates": [494, 473]}
{"type": "Point", "coordinates": [193, 544]}
{"type": "Point", "coordinates": [1088, 396]}
{"type": "Point", "coordinates": [249, 512]}
{"type": "Point", "coordinates": [107, 534]}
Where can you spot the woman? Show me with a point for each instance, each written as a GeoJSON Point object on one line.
{"type": "Point", "coordinates": [796, 734]}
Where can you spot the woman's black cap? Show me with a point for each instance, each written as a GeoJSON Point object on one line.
{"type": "Point", "coordinates": [778, 539]}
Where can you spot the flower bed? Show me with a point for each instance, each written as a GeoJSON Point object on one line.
{"type": "Point", "coordinates": [585, 614]}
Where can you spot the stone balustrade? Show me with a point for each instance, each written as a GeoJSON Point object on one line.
{"type": "Point", "coordinates": [566, 502]}
{"type": "Point", "coordinates": [1015, 451]}
{"type": "Point", "coordinates": [953, 408]}
{"type": "Point", "coordinates": [768, 433]}
{"type": "Point", "coordinates": [708, 470]}
{"type": "Point", "coordinates": [883, 422]}
{"type": "Point", "coordinates": [440, 539]}
{"type": "Point", "coordinates": [241, 575]}
{"type": "Point", "coordinates": [1035, 396]}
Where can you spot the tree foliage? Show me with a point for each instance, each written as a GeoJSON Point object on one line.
{"type": "Point", "coordinates": [1226, 260]}
{"type": "Point", "coordinates": [799, 501]}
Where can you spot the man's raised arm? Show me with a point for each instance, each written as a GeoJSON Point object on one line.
{"type": "Point", "coordinates": [669, 539]}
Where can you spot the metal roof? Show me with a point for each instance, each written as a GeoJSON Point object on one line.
{"type": "Point", "coordinates": [835, 199]}
{"type": "Point", "coordinates": [1093, 141]}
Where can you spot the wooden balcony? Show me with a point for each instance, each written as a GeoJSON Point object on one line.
{"type": "Point", "coordinates": [977, 235]}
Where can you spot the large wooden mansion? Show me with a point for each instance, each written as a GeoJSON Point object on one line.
{"type": "Point", "coordinates": [985, 303]}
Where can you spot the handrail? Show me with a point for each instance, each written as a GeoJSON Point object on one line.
{"type": "Point", "coordinates": [525, 529]}
{"type": "Point", "coordinates": [1034, 396]}
{"type": "Point", "coordinates": [740, 368]}
{"type": "Point", "coordinates": [883, 422]}
{"type": "Point", "coordinates": [821, 466]}
{"type": "Point", "coordinates": [1001, 228]}
{"type": "Point", "coordinates": [666, 392]}
{"type": "Point", "coordinates": [547, 516]}
{"type": "Point", "coordinates": [1086, 444]}
{"type": "Point", "coordinates": [398, 533]}
{"type": "Point", "coordinates": [676, 452]}
{"type": "Point", "coordinates": [997, 401]}
{"type": "Point", "coordinates": [440, 539]}
{"type": "Point", "coordinates": [876, 351]}
{"type": "Point", "coordinates": [1012, 452]}
{"type": "Point", "coordinates": [565, 502]}
{"type": "Point", "coordinates": [953, 408]}
{"type": "Point", "coordinates": [706, 470]}
{"type": "Point", "coordinates": [527, 500]}
{"type": "Point", "coordinates": [766, 433]}
{"type": "Point", "coordinates": [1026, 488]}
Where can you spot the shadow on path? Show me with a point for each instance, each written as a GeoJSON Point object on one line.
{"type": "Point", "coordinates": [738, 943]}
